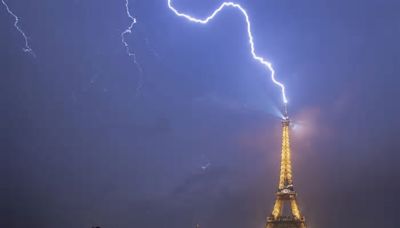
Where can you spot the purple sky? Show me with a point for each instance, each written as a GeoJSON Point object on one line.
{"type": "Point", "coordinates": [83, 144]}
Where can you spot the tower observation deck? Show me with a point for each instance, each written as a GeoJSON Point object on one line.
{"type": "Point", "coordinates": [286, 197]}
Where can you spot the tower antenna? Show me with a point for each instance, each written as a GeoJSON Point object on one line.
{"type": "Point", "coordinates": [285, 111]}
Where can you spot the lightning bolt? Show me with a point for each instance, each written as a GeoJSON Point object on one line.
{"type": "Point", "coordinates": [130, 53]}
{"type": "Point", "coordinates": [128, 30]}
{"type": "Point", "coordinates": [27, 48]}
{"type": "Point", "coordinates": [260, 59]}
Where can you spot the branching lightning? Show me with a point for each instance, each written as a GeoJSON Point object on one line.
{"type": "Point", "coordinates": [260, 59]}
{"type": "Point", "coordinates": [27, 47]}
{"type": "Point", "coordinates": [130, 53]}
{"type": "Point", "coordinates": [128, 30]}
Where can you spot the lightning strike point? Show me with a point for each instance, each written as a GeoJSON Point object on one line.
{"type": "Point", "coordinates": [260, 59]}
{"type": "Point", "coordinates": [27, 47]}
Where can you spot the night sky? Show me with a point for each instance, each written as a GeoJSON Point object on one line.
{"type": "Point", "coordinates": [87, 140]}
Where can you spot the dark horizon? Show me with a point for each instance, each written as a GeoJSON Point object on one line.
{"type": "Point", "coordinates": [88, 140]}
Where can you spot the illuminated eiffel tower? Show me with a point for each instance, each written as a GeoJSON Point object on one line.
{"type": "Point", "coordinates": [286, 213]}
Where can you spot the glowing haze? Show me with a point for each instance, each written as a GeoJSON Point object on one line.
{"type": "Point", "coordinates": [260, 59]}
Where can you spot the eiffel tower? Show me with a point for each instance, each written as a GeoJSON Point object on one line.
{"type": "Point", "coordinates": [289, 216]}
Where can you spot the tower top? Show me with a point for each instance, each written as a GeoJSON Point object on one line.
{"type": "Point", "coordinates": [285, 111]}
{"type": "Point", "coordinates": [285, 118]}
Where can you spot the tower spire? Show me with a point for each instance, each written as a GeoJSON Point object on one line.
{"type": "Point", "coordinates": [285, 111]}
{"type": "Point", "coordinates": [286, 193]}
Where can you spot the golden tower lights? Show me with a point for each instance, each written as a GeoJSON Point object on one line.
{"type": "Point", "coordinates": [286, 193]}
